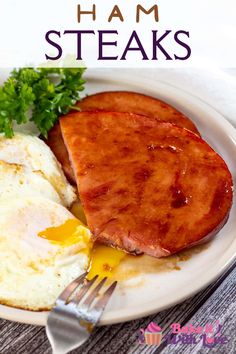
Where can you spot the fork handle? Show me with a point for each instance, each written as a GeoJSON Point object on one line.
{"type": "Point", "coordinates": [59, 351]}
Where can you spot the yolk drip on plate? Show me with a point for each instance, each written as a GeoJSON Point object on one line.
{"type": "Point", "coordinates": [67, 234]}
{"type": "Point", "coordinates": [104, 260]}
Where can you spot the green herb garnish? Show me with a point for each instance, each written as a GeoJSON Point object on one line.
{"type": "Point", "coordinates": [39, 95]}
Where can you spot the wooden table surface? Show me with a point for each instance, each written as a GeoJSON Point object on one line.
{"type": "Point", "coordinates": [218, 301]}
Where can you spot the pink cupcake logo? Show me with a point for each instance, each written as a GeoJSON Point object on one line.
{"type": "Point", "coordinates": [152, 335]}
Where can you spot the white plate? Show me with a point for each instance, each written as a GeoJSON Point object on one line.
{"type": "Point", "coordinates": [162, 290]}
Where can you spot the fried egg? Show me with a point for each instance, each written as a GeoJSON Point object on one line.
{"type": "Point", "coordinates": [18, 181]}
{"type": "Point", "coordinates": [43, 247]}
{"type": "Point", "coordinates": [34, 154]}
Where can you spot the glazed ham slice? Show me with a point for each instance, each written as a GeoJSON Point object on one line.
{"type": "Point", "coordinates": [146, 186]}
{"type": "Point", "coordinates": [120, 101]}
{"type": "Point", "coordinates": [133, 102]}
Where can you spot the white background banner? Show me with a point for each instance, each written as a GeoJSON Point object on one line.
{"type": "Point", "coordinates": [176, 33]}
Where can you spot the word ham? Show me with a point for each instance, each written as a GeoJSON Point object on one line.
{"type": "Point", "coordinates": [117, 13]}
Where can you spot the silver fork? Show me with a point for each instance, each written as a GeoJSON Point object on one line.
{"type": "Point", "coordinates": [72, 320]}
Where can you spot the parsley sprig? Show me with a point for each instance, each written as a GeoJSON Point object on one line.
{"type": "Point", "coordinates": [39, 95]}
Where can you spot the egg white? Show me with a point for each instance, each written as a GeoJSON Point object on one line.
{"type": "Point", "coordinates": [34, 154]}
{"type": "Point", "coordinates": [34, 271]}
{"type": "Point", "coordinates": [19, 181]}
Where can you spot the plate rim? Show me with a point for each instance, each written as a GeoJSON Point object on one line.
{"type": "Point", "coordinates": [117, 316]}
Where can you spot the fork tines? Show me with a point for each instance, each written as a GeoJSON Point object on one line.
{"type": "Point", "coordinates": [79, 290]}
{"type": "Point", "coordinates": [76, 312]}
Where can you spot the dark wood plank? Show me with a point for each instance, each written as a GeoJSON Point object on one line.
{"type": "Point", "coordinates": [122, 338]}
{"type": "Point", "coordinates": [16, 336]}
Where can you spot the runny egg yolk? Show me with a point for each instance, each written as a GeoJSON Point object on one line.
{"type": "Point", "coordinates": [104, 260]}
{"type": "Point", "coordinates": [67, 234]}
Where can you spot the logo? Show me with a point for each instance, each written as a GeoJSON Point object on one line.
{"type": "Point", "coordinates": [210, 335]}
{"type": "Point", "coordinates": [152, 335]}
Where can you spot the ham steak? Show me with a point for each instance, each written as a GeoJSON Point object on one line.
{"type": "Point", "coordinates": [120, 102]}
{"type": "Point", "coordinates": [132, 102]}
{"type": "Point", "coordinates": [146, 186]}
